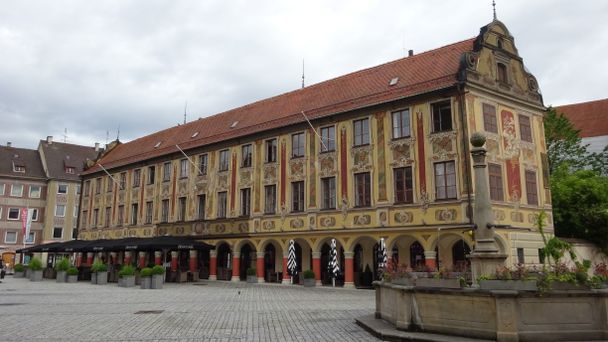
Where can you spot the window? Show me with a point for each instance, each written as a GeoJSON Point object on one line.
{"type": "Point", "coordinates": [14, 213]}
{"type": "Point", "coordinates": [403, 185]}
{"type": "Point", "coordinates": [164, 213]}
{"type": "Point", "coordinates": [18, 168]}
{"type": "Point", "coordinates": [87, 187]}
{"type": "Point", "coordinates": [149, 207]}
{"type": "Point", "coordinates": [74, 233]}
{"type": "Point", "coordinates": [151, 174]}
{"type": "Point", "coordinates": [34, 191]}
{"type": "Point", "coordinates": [297, 196]}
{"type": "Point", "coordinates": [63, 188]}
{"type": "Point", "coordinates": [224, 160]}
{"type": "Point", "coordinates": [17, 190]}
{"type": "Point", "coordinates": [84, 218]}
{"type": "Point", "coordinates": [10, 237]}
{"type": "Point", "coordinates": [363, 196]}
{"type": "Point", "coordinates": [328, 137]}
{"type": "Point", "coordinates": [31, 237]}
{"type": "Point", "coordinates": [401, 124]}
{"type": "Point", "coordinates": [221, 204]}
{"type": "Point", "coordinates": [298, 142]}
{"type": "Point", "coordinates": [200, 214]}
{"type": "Point", "coordinates": [136, 177]}
{"type": "Point", "coordinates": [202, 164]}
{"type": "Point", "coordinates": [60, 210]}
{"type": "Point", "coordinates": [525, 130]}
{"type": "Point", "coordinates": [271, 151]}
{"type": "Point", "coordinates": [520, 256]}
{"type": "Point", "coordinates": [531, 188]}
{"type": "Point", "coordinates": [166, 171]}
{"type": "Point", "coordinates": [76, 210]}
{"type": "Point", "coordinates": [106, 219]}
{"type": "Point", "coordinates": [245, 202]}
{"type": "Point", "coordinates": [97, 186]}
{"type": "Point", "coordinates": [34, 214]}
{"type": "Point", "coordinates": [489, 118]}
{"type": "Point", "coordinates": [123, 181]}
{"type": "Point", "coordinates": [445, 180]}
{"type": "Point", "coordinates": [496, 189]}
{"type": "Point", "coordinates": [1, 189]}
{"type": "Point", "coordinates": [181, 209]}
{"type": "Point", "coordinates": [109, 184]}
{"type": "Point", "coordinates": [328, 190]}
{"type": "Point", "coordinates": [78, 189]}
{"type": "Point", "coordinates": [134, 208]}
{"type": "Point", "coordinates": [270, 199]}
{"type": "Point", "coordinates": [442, 116]}
{"type": "Point", "coordinates": [183, 168]}
{"type": "Point", "coordinates": [246, 155]}
{"type": "Point", "coordinates": [361, 128]}
{"type": "Point", "coordinates": [57, 233]}
{"type": "Point", "coordinates": [501, 73]}
{"type": "Point", "coordinates": [69, 169]}
{"type": "Point", "coordinates": [121, 215]}
{"type": "Point", "coordinates": [95, 217]}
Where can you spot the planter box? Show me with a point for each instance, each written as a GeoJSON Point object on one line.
{"type": "Point", "coordinates": [517, 285]}
{"type": "Point", "coordinates": [61, 276]}
{"type": "Point", "coordinates": [93, 278]}
{"type": "Point", "coordinates": [157, 281]}
{"type": "Point", "coordinates": [252, 279]}
{"type": "Point", "coordinates": [419, 274]}
{"type": "Point", "coordinates": [36, 275]}
{"type": "Point", "coordinates": [126, 281]}
{"type": "Point", "coordinates": [144, 282]}
{"type": "Point", "coordinates": [309, 282]}
{"type": "Point", "coordinates": [27, 272]}
{"type": "Point", "coordinates": [102, 278]}
{"type": "Point", "coordinates": [72, 279]}
{"type": "Point", "coordinates": [441, 283]}
{"type": "Point", "coordinates": [18, 274]}
{"type": "Point", "coordinates": [560, 286]}
{"type": "Point", "coordinates": [404, 281]}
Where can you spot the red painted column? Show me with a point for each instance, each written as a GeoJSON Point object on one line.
{"type": "Point", "coordinates": [89, 258]}
{"type": "Point", "coordinates": [348, 269]}
{"type": "Point", "coordinates": [158, 255]}
{"type": "Point", "coordinates": [127, 260]}
{"type": "Point", "coordinates": [193, 261]}
{"type": "Point", "coordinates": [142, 260]}
{"type": "Point", "coordinates": [316, 266]}
{"type": "Point", "coordinates": [259, 265]}
{"type": "Point", "coordinates": [430, 260]}
{"type": "Point", "coordinates": [174, 260]}
{"type": "Point", "coordinates": [212, 265]}
{"type": "Point", "coordinates": [78, 259]}
{"type": "Point", "coordinates": [236, 267]}
{"type": "Point", "coordinates": [286, 276]}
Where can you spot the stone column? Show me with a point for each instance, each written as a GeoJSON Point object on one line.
{"type": "Point", "coordinates": [212, 265]}
{"type": "Point", "coordinates": [142, 259]}
{"type": "Point", "coordinates": [236, 266]}
{"type": "Point", "coordinates": [259, 265]}
{"type": "Point", "coordinates": [193, 261]}
{"type": "Point", "coordinates": [485, 257]}
{"type": "Point", "coordinates": [174, 260]}
{"type": "Point", "coordinates": [286, 276]}
{"type": "Point", "coordinates": [430, 260]}
{"type": "Point", "coordinates": [127, 260]}
{"type": "Point", "coordinates": [316, 266]}
{"type": "Point", "coordinates": [349, 269]}
{"type": "Point", "coordinates": [158, 258]}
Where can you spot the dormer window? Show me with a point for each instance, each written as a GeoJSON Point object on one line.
{"type": "Point", "coordinates": [69, 169]}
{"type": "Point", "coordinates": [501, 73]}
{"type": "Point", "coordinates": [500, 43]}
{"type": "Point", "coordinates": [18, 168]}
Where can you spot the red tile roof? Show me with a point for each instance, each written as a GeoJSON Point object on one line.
{"type": "Point", "coordinates": [421, 73]}
{"type": "Point", "coordinates": [590, 117]}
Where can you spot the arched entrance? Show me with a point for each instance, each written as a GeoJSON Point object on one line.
{"type": "Point", "coordinates": [417, 260]}
{"type": "Point", "coordinates": [365, 262]}
{"type": "Point", "coordinates": [247, 260]}
{"type": "Point", "coordinates": [224, 262]}
{"type": "Point", "coordinates": [460, 250]}
{"type": "Point", "coordinates": [326, 278]}
{"type": "Point", "coordinates": [303, 259]}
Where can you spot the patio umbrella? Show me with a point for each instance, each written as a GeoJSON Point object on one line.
{"type": "Point", "coordinates": [382, 257]}
{"type": "Point", "coordinates": [334, 265]}
{"type": "Point", "coordinates": [291, 259]}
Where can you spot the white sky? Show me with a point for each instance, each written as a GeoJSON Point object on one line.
{"type": "Point", "coordinates": [91, 66]}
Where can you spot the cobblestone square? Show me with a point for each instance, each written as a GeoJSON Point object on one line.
{"type": "Point", "coordinates": [205, 311]}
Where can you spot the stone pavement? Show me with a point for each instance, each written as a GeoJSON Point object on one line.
{"type": "Point", "coordinates": [207, 311]}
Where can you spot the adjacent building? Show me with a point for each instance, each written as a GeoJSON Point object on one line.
{"type": "Point", "coordinates": [591, 118]}
{"type": "Point", "coordinates": [378, 153]}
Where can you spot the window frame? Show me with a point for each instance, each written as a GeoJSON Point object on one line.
{"type": "Point", "coordinates": [183, 168]}
{"type": "Point", "coordinates": [6, 233]}
{"type": "Point", "coordinates": [408, 188]}
{"type": "Point", "coordinates": [149, 212]}
{"type": "Point", "coordinates": [441, 105]}
{"type": "Point", "coordinates": [39, 191]}
{"type": "Point", "coordinates": [134, 214]}
{"type": "Point", "coordinates": [182, 208]}
{"type": "Point", "coordinates": [107, 217]}
{"type": "Point", "coordinates": [298, 145]}
{"type": "Point", "coordinates": [31, 241]}
{"type": "Point", "coordinates": [222, 204]}
{"type": "Point", "coordinates": [445, 185]}
{"type": "Point", "coordinates": [57, 207]}
{"type": "Point", "coordinates": [166, 172]}
{"type": "Point", "coordinates": [8, 215]}
{"type": "Point", "coordinates": [136, 178]}
{"type": "Point", "coordinates": [271, 150]}
{"type": "Point", "coordinates": [203, 161]}
{"type": "Point", "coordinates": [328, 193]}
{"type": "Point", "coordinates": [525, 128]}
{"type": "Point", "coordinates": [490, 119]}
{"type": "Point", "coordinates": [165, 208]}
{"type": "Point", "coordinates": [361, 138]}
{"type": "Point", "coordinates": [495, 180]}
{"type": "Point", "coordinates": [531, 187]}
{"type": "Point", "coordinates": [60, 236]}
{"type": "Point", "coordinates": [224, 160]}
{"type": "Point", "coordinates": [274, 199]}
{"type": "Point", "coordinates": [298, 196]}
{"type": "Point", "coordinates": [201, 204]}
{"type": "Point", "coordinates": [328, 137]}
{"type": "Point", "coordinates": [246, 155]}
{"type": "Point", "coordinates": [400, 128]}
{"type": "Point", "coordinates": [13, 187]}
{"type": "Point", "coordinates": [363, 200]}
{"type": "Point", "coordinates": [502, 73]}
{"type": "Point", "coordinates": [245, 202]}
{"type": "Point", "coordinates": [151, 174]}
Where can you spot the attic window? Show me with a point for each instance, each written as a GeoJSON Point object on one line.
{"type": "Point", "coordinates": [69, 169]}
{"type": "Point", "coordinates": [500, 43]}
{"type": "Point", "coordinates": [502, 73]}
{"type": "Point", "coordinates": [158, 144]}
{"type": "Point", "coordinates": [393, 81]}
{"type": "Point", "coordinates": [194, 135]}
{"type": "Point", "coordinates": [18, 168]}
{"type": "Point", "coordinates": [234, 124]}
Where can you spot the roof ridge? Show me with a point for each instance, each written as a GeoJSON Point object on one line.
{"type": "Point", "coordinates": [581, 103]}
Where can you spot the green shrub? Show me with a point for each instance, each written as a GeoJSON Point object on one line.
{"type": "Point", "coordinates": [251, 271]}
{"type": "Point", "coordinates": [63, 265]}
{"type": "Point", "coordinates": [72, 271]}
{"type": "Point", "coordinates": [35, 264]}
{"type": "Point", "coordinates": [127, 270]}
{"type": "Point", "coordinates": [145, 272]}
{"type": "Point", "coordinates": [308, 274]}
{"type": "Point", "coordinates": [99, 266]}
{"type": "Point", "coordinates": [19, 268]}
{"type": "Point", "coordinates": [158, 269]}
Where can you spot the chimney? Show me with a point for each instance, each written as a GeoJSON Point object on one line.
{"type": "Point", "coordinates": [49, 139]}
{"type": "Point", "coordinates": [410, 53]}
{"type": "Point", "coordinates": [9, 144]}
{"type": "Point", "coordinates": [96, 147]}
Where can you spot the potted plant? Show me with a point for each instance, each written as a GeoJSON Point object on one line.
{"type": "Point", "coordinates": [252, 275]}
{"type": "Point", "coordinates": [158, 276]}
{"type": "Point", "coordinates": [145, 277]}
{"type": "Point", "coordinates": [72, 275]}
{"type": "Point", "coordinates": [441, 279]}
{"type": "Point", "coordinates": [99, 272]}
{"type": "Point", "coordinates": [18, 271]}
{"type": "Point", "coordinates": [62, 266]}
{"type": "Point", "coordinates": [507, 279]}
{"type": "Point", "coordinates": [126, 276]}
{"type": "Point", "coordinates": [35, 267]}
{"type": "Point", "coordinates": [309, 278]}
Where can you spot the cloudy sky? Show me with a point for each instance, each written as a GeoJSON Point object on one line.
{"type": "Point", "coordinates": [94, 66]}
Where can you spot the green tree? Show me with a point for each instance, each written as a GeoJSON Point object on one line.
{"type": "Point", "coordinates": [564, 144]}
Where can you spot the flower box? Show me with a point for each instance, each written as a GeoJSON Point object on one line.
{"type": "Point", "coordinates": [252, 279]}
{"type": "Point", "coordinates": [309, 282]}
{"type": "Point", "coordinates": [61, 276]}
{"type": "Point", "coordinates": [157, 281]}
{"type": "Point", "coordinates": [516, 285]}
{"type": "Point", "coordinates": [126, 281]}
{"type": "Point", "coordinates": [405, 281]}
{"type": "Point", "coordinates": [438, 282]}
{"type": "Point", "coordinates": [144, 282]}
{"type": "Point", "coordinates": [72, 279]}
{"type": "Point", "coordinates": [36, 275]}
{"type": "Point", "coordinates": [565, 286]}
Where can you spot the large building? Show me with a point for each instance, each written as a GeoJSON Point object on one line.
{"type": "Point", "coordinates": [591, 118]}
{"type": "Point", "coordinates": [385, 155]}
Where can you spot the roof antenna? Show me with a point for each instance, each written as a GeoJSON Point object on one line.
{"type": "Point", "coordinates": [185, 111]}
{"type": "Point", "coordinates": [107, 136]}
{"type": "Point", "coordinates": [118, 133]}
{"type": "Point", "coordinates": [65, 135]}
{"type": "Point", "coordinates": [302, 73]}
{"type": "Point", "coordinates": [494, 8]}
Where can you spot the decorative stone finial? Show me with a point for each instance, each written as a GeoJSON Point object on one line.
{"type": "Point", "coordinates": [478, 139]}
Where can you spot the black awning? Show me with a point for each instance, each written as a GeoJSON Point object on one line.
{"type": "Point", "coordinates": [165, 242]}
{"type": "Point", "coordinates": [126, 244]}
{"type": "Point", "coordinates": [47, 247]}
